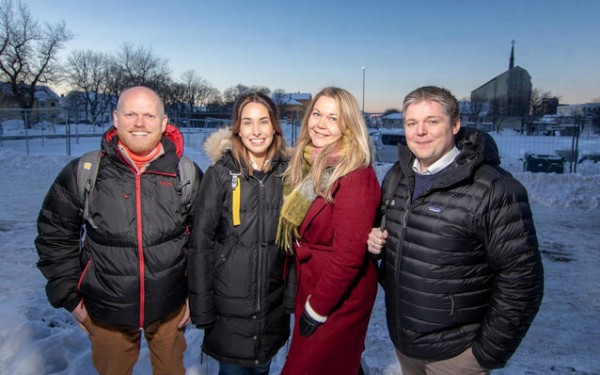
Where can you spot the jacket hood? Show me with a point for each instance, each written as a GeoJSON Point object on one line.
{"type": "Point", "coordinates": [172, 142]}
{"type": "Point", "coordinates": [171, 133]}
{"type": "Point", "coordinates": [218, 144]}
{"type": "Point", "coordinates": [476, 149]}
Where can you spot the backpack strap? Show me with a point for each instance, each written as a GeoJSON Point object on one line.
{"type": "Point", "coordinates": [87, 171]}
{"type": "Point", "coordinates": [188, 176]}
{"type": "Point", "coordinates": [388, 188]}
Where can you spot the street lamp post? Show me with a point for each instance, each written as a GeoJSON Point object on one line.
{"type": "Point", "coordinates": [363, 96]}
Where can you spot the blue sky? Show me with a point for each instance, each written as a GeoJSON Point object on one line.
{"type": "Point", "coordinates": [304, 46]}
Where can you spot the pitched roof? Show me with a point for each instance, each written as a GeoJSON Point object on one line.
{"type": "Point", "coordinates": [42, 93]}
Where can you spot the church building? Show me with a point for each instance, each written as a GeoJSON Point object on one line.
{"type": "Point", "coordinates": [508, 94]}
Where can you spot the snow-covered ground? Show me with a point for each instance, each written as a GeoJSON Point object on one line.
{"type": "Point", "coordinates": [564, 338]}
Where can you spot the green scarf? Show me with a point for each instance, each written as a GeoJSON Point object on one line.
{"type": "Point", "coordinates": [297, 201]}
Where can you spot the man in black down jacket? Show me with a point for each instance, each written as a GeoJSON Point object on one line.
{"type": "Point", "coordinates": [128, 276]}
{"type": "Point", "coordinates": [461, 269]}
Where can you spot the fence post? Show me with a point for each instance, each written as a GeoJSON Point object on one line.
{"type": "Point", "coordinates": [575, 144]}
{"type": "Point", "coordinates": [26, 123]}
{"type": "Point", "coordinates": [68, 136]}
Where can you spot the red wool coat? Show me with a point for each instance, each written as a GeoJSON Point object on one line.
{"type": "Point", "coordinates": [335, 270]}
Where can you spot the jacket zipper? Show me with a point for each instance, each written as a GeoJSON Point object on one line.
{"type": "Point", "coordinates": [260, 241]}
{"type": "Point", "coordinates": [138, 213]}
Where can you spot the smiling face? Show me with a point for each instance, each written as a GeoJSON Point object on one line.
{"type": "Point", "coordinates": [324, 126]}
{"type": "Point", "coordinates": [140, 120]}
{"type": "Point", "coordinates": [256, 131]}
{"type": "Point", "coordinates": [429, 133]}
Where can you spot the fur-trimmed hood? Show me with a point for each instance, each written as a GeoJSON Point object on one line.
{"type": "Point", "coordinates": [217, 144]}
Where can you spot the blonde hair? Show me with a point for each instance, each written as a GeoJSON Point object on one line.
{"type": "Point", "coordinates": [355, 145]}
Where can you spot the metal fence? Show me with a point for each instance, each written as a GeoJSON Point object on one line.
{"type": "Point", "coordinates": [33, 133]}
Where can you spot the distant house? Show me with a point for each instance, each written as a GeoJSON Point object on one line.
{"type": "Point", "coordinates": [508, 94]}
{"type": "Point", "coordinates": [586, 109]}
{"type": "Point", "coordinates": [46, 105]}
{"type": "Point", "coordinates": [292, 105]}
{"type": "Point", "coordinates": [392, 120]}
{"type": "Point", "coordinates": [549, 106]}
{"type": "Point", "coordinates": [89, 107]}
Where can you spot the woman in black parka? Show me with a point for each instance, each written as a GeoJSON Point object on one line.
{"type": "Point", "coordinates": [241, 289]}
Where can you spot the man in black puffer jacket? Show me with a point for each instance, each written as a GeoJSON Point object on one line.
{"type": "Point", "coordinates": [461, 268]}
{"type": "Point", "coordinates": [128, 276]}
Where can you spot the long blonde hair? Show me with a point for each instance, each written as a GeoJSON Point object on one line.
{"type": "Point", "coordinates": [355, 145]}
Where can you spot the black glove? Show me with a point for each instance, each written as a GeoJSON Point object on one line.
{"type": "Point", "coordinates": [308, 325]}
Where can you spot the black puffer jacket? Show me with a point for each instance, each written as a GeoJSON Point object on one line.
{"type": "Point", "coordinates": [241, 285]}
{"type": "Point", "coordinates": [461, 267]}
{"type": "Point", "coordinates": [131, 269]}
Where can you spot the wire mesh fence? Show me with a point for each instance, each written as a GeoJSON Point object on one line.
{"type": "Point", "coordinates": [34, 132]}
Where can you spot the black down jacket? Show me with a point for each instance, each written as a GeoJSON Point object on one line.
{"type": "Point", "coordinates": [130, 270]}
{"type": "Point", "coordinates": [241, 285]}
{"type": "Point", "coordinates": [461, 267]}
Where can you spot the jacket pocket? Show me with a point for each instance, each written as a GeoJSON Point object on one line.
{"type": "Point", "coordinates": [233, 272]}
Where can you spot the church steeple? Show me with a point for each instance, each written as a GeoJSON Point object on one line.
{"type": "Point", "coordinates": [511, 64]}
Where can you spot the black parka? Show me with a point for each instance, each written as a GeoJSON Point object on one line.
{"type": "Point", "coordinates": [130, 270]}
{"type": "Point", "coordinates": [241, 284]}
{"type": "Point", "coordinates": [461, 266]}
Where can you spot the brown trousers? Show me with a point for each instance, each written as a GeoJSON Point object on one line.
{"type": "Point", "coordinates": [115, 350]}
{"type": "Point", "coordinates": [463, 364]}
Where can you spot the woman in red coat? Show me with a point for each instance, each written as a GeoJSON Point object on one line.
{"type": "Point", "coordinates": [332, 195]}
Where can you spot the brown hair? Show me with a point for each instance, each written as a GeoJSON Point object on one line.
{"type": "Point", "coordinates": [239, 151]}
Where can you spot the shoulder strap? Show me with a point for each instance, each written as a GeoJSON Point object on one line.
{"type": "Point", "coordinates": [388, 188]}
{"type": "Point", "coordinates": [188, 175]}
{"type": "Point", "coordinates": [87, 171]}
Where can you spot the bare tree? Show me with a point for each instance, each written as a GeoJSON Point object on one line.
{"type": "Point", "coordinates": [28, 51]}
{"type": "Point", "coordinates": [198, 91]}
{"type": "Point", "coordinates": [390, 111]}
{"type": "Point", "coordinates": [537, 99]}
{"type": "Point", "coordinates": [262, 89]}
{"type": "Point", "coordinates": [231, 94]}
{"type": "Point", "coordinates": [88, 72]}
{"type": "Point", "coordinates": [280, 99]}
{"type": "Point", "coordinates": [497, 113]}
{"type": "Point", "coordinates": [74, 104]}
{"type": "Point", "coordinates": [135, 66]}
{"type": "Point", "coordinates": [475, 108]}
{"type": "Point", "coordinates": [174, 99]}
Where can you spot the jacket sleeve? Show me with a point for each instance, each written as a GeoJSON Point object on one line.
{"type": "Point", "coordinates": [202, 249]}
{"type": "Point", "coordinates": [59, 227]}
{"type": "Point", "coordinates": [289, 294]}
{"type": "Point", "coordinates": [355, 205]}
{"type": "Point", "coordinates": [511, 243]}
